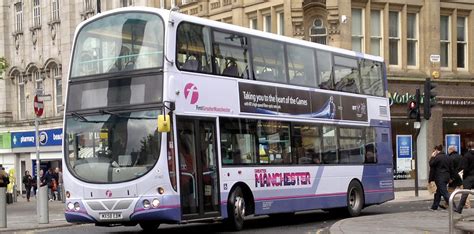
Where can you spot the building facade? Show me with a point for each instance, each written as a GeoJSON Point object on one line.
{"type": "Point", "coordinates": [418, 39]}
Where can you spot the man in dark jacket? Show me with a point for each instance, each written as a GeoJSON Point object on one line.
{"type": "Point", "coordinates": [467, 164]}
{"type": "Point", "coordinates": [441, 172]}
{"type": "Point", "coordinates": [455, 160]}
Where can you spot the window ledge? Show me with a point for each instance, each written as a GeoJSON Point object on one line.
{"type": "Point", "coordinates": [17, 33]}
{"type": "Point", "coordinates": [34, 28]}
{"type": "Point", "coordinates": [53, 22]}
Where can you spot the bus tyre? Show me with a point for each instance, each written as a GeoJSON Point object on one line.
{"type": "Point", "coordinates": [355, 199]}
{"type": "Point", "coordinates": [236, 209]}
{"type": "Point", "coordinates": [149, 226]}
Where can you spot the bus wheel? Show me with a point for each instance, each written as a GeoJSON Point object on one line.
{"type": "Point", "coordinates": [236, 209]}
{"type": "Point", "coordinates": [355, 199]}
{"type": "Point", "coordinates": [149, 226]}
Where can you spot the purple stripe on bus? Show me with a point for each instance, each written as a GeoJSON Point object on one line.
{"type": "Point", "coordinates": [75, 217]}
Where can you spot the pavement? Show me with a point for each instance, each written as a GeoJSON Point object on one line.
{"type": "Point", "coordinates": [21, 217]}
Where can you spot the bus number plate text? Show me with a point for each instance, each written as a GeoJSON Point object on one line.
{"type": "Point", "coordinates": [110, 216]}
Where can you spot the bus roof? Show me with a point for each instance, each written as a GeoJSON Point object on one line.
{"type": "Point", "coordinates": [166, 14]}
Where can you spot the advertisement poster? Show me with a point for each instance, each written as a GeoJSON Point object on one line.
{"type": "Point", "coordinates": [262, 99]}
{"type": "Point", "coordinates": [404, 152]}
{"type": "Point", "coordinates": [453, 140]}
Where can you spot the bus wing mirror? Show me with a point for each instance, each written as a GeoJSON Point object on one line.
{"type": "Point", "coordinates": [164, 123]}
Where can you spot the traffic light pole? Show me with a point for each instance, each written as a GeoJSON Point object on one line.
{"type": "Point", "coordinates": [415, 156]}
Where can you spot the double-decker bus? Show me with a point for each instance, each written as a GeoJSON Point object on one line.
{"type": "Point", "coordinates": [172, 118]}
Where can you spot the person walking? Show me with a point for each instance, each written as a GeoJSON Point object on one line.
{"type": "Point", "coordinates": [27, 181]}
{"type": "Point", "coordinates": [440, 172]}
{"type": "Point", "coordinates": [467, 165]}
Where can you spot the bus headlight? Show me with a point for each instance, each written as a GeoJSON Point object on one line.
{"type": "Point", "coordinates": [70, 206]}
{"type": "Point", "coordinates": [155, 203]}
{"type": "Point", "coordinates": [77, 207]}
{"type": "Point", "coordinates": [146, 204]}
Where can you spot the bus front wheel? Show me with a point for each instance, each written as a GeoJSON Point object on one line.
{"type": "Point", "coordinates": [149, 226]}
{"type": "Point", "coordinates": [355, 199]}
{"type": "Point", "coordinates": [236, 209]}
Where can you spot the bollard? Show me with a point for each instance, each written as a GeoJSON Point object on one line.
{"type": "Point", "coordinates": [42, 199]}
{"type": "Point", "coordinates": [3, 207]}
{"type": "Point", "coordinates": [14, 193]}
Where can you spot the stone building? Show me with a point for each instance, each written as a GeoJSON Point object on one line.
{"type": "Point", "coordinates": [415, 37]}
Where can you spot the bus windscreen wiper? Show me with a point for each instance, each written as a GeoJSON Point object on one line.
{"type": "Point", "coordinates": [84, 119]}
{"type": "Point", "coordinates": [106, 112]}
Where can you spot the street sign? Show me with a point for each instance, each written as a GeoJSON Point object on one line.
{"type": "Point", "coordinates": [435, 58]}
{"type": "Point", "coordinates": [38, 106]}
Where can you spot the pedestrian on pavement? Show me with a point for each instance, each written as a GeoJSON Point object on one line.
{"type": "Point", "coordinates": [59, 176]}
{"type": "Point", "coordinates": [48, 180]}
{"type": "Point", "coordinates": [27, 181]}
{"type": "Point", "coordinates": [4, 180]}
{"type": "Point", "coordinates": [455, 161]}
{"type": "Point", "coordinates": [440, 172]}
{"type": "Point", "coordinates": [467, 165]}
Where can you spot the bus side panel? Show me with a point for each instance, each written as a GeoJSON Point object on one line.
{"type": "Point", "coordinates": [327, 187]}
{"type": "Point", "coordinates": [378, 178]}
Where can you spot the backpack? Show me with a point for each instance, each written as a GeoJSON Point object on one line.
{"type": "Point", "coordinates": [6, 180]}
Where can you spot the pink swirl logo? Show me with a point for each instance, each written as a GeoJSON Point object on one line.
{"type": "Point", "coordinates": [108, 193]}
{"type": "Point", "coordinates": [191, 93]}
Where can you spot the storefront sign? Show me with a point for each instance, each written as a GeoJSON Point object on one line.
{"type": "Point", "coordinates": [453, 140]}
{"type": "Point", "coordinates": [403, 98]}
{"type": "Point", "coordinates": [5, 140]}
{"type": "Point", "coordinates": [272, 100]}
{"type": "Point", "coordinates": [404, 152]}
{"type": "Point", "coordinates": [50, 137]}
{"type": "Point", "coordinates": [454, 101]}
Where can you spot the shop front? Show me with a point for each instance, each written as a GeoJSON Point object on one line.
{"type": "Point", "coordinates": [451, 123]}
{"type": "Point", "coordinates": [21, 155]}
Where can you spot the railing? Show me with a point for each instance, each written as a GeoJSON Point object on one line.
{"type": "Point", "coordinates": [451, 206]}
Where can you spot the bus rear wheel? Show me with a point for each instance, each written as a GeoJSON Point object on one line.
{"type": "Point", "coordinates": [149, 226]}
{"type": "Point", "coordinates": [236, 209]}
{"type": "Point", "coordinates": [355, 199]}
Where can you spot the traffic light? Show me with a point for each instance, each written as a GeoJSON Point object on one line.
{"type": "Point", "coordinates": [429, 98]}
{"type": "Point", "coordinates": [414, 106]}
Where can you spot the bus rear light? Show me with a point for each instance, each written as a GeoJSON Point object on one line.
{"type": "Point", "coordinates": [146, 204]}
{"type": "Point", "coordinates": [77, 207]}
{"type": "Point", "coordinates": [161, 190]}
{"type": "Point", "coordinates": [70, 206]}
{"type": "Point", "coordinates": [68, 194]}
{"type": "Point", "coordinates": [155, 203]}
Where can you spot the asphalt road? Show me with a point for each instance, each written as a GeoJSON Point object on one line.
{"type": "Point", "coordinates": [306, 222]}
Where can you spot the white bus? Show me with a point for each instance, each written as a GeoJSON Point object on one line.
{"type": "Point", "coordinates": [172, 118]}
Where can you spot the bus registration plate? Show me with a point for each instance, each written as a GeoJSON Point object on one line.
{"type": "Point", "coordinates": [110, 216]}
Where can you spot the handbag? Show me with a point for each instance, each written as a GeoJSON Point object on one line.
{"type": "Point", "coordinates": [431, 187]}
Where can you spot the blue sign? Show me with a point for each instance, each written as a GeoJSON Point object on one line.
{"type": "Point", "coordinates": [404, 146]}
{"type": "Point", "coordinates": [50, 137]}
{"type": "Point", "coordinates": [453, 140]}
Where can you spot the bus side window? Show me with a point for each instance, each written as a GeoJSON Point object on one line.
{"type": "Point", "coordinates": [324, 66]}
{"type": "Point", "coordinates": [301, 66]}
{"type": "Point", "coordinates": [346, 74]}
{"type": "Point", "coordinates": [193, 48]}
{"type": "Point", "coordinates": [231, 53]}
{"type": "Point", "coordinates": [268, 60]}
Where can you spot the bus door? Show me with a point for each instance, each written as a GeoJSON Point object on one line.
{"type": "Point", "coordinates": [197, 150]}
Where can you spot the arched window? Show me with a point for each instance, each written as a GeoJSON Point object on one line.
{"type": "Point", "coordinates": [36, 77]}
{"type": "Point", "coordinates": [318, 32]}
{"type": "Point", "coordinates": [55, 74]}
{"type": "Point", "coordinates": [21, 96]}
